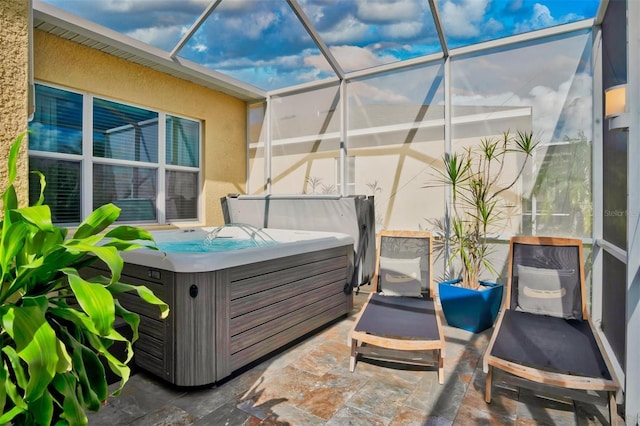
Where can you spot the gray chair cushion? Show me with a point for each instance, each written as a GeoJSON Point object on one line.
{"type": "Point", "coordinates": [400, 277]}
{"type": "Point", "coordinates": [546, 291]}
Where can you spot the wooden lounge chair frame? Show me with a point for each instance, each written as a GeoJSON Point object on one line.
{"type": "Point", "coordinates": [399, 348]}
{"type": "Point", "coordinates": [538, 375]}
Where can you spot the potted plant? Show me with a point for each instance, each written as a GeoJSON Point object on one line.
{"type": "Point", "coordinates": [57, 328]}
{"type": "Point", "coordinates": [477, 180]}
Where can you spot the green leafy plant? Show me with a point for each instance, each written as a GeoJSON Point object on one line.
{"type": "Point", "coordinates": [477, 182]}
{"type": "Point", "coordinates": [56, 326]}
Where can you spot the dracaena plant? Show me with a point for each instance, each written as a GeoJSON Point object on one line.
{"type": "Point", "coordinates": [478, 184]}
{"type": "Point", "coordinates": [55, 325]}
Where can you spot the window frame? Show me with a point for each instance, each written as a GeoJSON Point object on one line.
{"type": "Point", "coordinates": [87, 160]}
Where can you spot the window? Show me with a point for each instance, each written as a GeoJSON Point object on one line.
{"type": "Point", "coordinates": [62, 192]}
{"type": "Point", "coordinates": [94, 151]}
{"type": "Point", "coordinates": [183, 158]}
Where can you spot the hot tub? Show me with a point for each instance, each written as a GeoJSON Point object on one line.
{"type": "Point", "coordinates": [231, 307]}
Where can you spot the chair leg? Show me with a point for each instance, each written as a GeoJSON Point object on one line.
{"type": "Point", "coordinates": [613, 409]}
{"type": "Point", "coordinates": [440, 367]}
{"type": "Point", "coordinates": [487, 385]}
{"type": "Point", "coordinates": [352, 360]}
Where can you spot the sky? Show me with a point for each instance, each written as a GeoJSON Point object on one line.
{"type": "Point", "coordinates": [261, 42]}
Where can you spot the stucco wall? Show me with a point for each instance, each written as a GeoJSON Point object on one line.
{"type": "Point", "coordinates": [74, 66]}
{"type": "Point", "coordinates": [14, 60]}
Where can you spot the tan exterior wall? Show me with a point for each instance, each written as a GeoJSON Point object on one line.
{"type": "Point", "coordinates": [14, 65]}
{"type": "Point", "coordinates": [71, 65]}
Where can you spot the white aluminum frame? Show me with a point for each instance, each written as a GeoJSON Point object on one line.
{"type": "Point", "coordinates": [632, 309]}
{"type": "Point", "coordinates": [169, 62]}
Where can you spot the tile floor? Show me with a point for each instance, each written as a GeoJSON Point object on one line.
{"type": "Point", "coordinates": [310, 384]}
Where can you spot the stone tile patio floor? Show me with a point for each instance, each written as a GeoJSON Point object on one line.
{"type": "Point", "coordinates": [309, 383]}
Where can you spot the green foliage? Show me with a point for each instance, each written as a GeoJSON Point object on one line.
{"type": "Point", "coordinates": [563, 185]}
{"type": "Point", "coordinates": [55, 324]}
{"type": "Point", "coordinates": [476, 178]}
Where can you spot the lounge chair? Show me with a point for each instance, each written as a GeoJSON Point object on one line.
{"type": "Point", "coordinates": [544, 333]}
{"type": "Point", "coordinates": [401, 320]}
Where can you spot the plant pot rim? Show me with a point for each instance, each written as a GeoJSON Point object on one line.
{"type": "Point", "coordinates": [483, 283]}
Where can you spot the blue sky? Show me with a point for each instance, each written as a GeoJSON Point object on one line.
{"type": "Point", "coordinates": [262, 43]}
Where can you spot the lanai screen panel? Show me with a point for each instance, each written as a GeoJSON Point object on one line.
{"type": "Point", "coordinates": [305, 142]}
{"type": "Point", "coordinates": [395, 136]}
{"type": "Point", "coordinates": [466, 23]}
{"type": "Point", "coordinates": [615, 169]}
{"type": "Point", "coordinates": [259, 42]}
{"type": "Point", "coordinates": [263, 43]}
{"type": "Point", "coordinates": [257, 165]}
{"type": "Point", "coordinates": [544, 86]}
{"type": "Point", "coordinates": [365, 34]}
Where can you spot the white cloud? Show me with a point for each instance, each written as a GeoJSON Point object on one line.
{"type": "Point", "coordinates": [136, 6]}
{"type": "Point", "coordinates": [386, 11]}
{"type": "Point", "coordinates": [252, 25]}
{"type": "Point", "coordinates": [199, 47]}
{"type": "Point", "coordinates": [347, 30]}
{"type": "Point", "coordinates": [514, 5]}
{"type": "Point", "coordinates": [289, 61]}
{"type": "Point", "coordinates": [236, 5]}
{"type": "Point", "coordinates": [376, 94]}
{"type": "Point", "coordinates": [116, 5]}
{"type": "Point", "coordinates": [463, 19]}
{"type": "Point", "coordinates": [567, 108]}
{"type": "Point", "coordinates": [46, 134]}
{"type": "Point", "coordinates": [498, 99]}
{"type": "Point", "coordinates": [311, 75]}
{"type": "Point", "coordinates": [402, 30]}
{"type": "Point", "coordinates": [493, 26]}
{"type": "Point", "coordinates": [540, 18]}
{"type": "Point", "coordinates": [564, 110]}
{"type": "Point", "coordinates": [259, 23]}
{"type": "Point", "coordinates": [163, 37]}
{"type": "Point", "coordinates": [395, 20]}
{"type": "Point", "coordinates": [349, 57]}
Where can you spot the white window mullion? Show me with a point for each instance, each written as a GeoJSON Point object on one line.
{"type": "Point", "coordinates": [200, 205]}
{"type": "Point", "coordinates": [267, 146]}
{"type": "Point", "coordinates": [162, 160]}
{"type": "Point", "coordinates": [86, 196]}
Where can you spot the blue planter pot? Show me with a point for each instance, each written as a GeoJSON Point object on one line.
{"type": "Point", "coordinates": [468, 309]}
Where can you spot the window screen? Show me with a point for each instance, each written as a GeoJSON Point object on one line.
{"type": "Point", "coordinates": [183, 142]}
{"type": "Point", "coordinates": [57, 122]}
{"type": "Point", "coordinates": [124, 132]}
{"type": "Point", "coordinates": [182, 195]}
{"type": "Point", "coordinates": [62, 191]}
{"type": "Point", "coordinates": [133, 189]}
